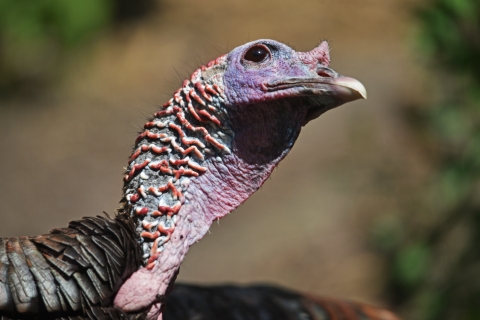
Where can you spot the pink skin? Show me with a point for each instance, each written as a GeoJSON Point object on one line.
{"type": "Point", "coordinates": [266, 122]}
{"type": "Point", "coordinates": [195, 218]}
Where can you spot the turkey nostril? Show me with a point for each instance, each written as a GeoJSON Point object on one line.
{"type": "Point", "coordinates": [323, 73]}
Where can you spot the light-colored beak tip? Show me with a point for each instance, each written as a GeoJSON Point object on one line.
{"type": "Point", "coordinates": [361, 90]}
{"type": "Point", "coordinates": [356, 86]}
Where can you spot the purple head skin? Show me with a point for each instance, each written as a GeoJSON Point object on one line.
{"type": "Point", "coordinates": [213, 145]}
{"type": "Point", "coordinates": [285, 73]}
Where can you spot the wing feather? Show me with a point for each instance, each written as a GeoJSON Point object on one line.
{"type": "Point", "coordinates": [41, 272]}
{"type": "Point", "coordinates": [92, 249]}
{"type": "Point", "coordinates": [101, 271]}
{"type": "Point", "coordinates": [53, 245]}
{"type": "Point", "coordinates": [6, 299]}
{"type": "Point", "coordinates": [87, 287]}
{"type": "Point", "coordinates": [69, 272]}
{"type": "Point", "coordinates": [21, 281]}
{"type": "Point", "coordinates": [66, 268]}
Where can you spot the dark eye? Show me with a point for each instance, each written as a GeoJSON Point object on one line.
{"type": "Point", "coordinates": [257, 53]}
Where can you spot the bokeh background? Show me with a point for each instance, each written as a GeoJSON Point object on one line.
{"type": "Point", "coordinates": [377, 202]}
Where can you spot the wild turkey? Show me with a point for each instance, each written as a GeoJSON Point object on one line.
{"type": "Point", "coordinates": [211, 146]}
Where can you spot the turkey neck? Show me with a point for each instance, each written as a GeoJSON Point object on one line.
{"type": "Point", "coordinates": [167, 180]}
{"type": "Point", "coordinates": [196, 160]}
{"type": "Point", "coordinates": [173, 150]}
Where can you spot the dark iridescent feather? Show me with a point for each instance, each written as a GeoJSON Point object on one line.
{"type": "Point", "coordinates": [189, 302]}
{"type": "Point", "coordinates": [72, 271]}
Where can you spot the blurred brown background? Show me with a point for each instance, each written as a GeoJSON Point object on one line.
{"type": "Point", "coordinates": [69, 113]}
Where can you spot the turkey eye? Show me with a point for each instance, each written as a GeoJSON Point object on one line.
{"type": "Point", "coordinates": [257, 54]}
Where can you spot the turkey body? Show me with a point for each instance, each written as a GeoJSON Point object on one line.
{"type": "Point", "coordinates": [68, 272]}
{"type": "Point", "coordinates": [73, 274]}
{"type": "Point", "coordinates": [262, 302]}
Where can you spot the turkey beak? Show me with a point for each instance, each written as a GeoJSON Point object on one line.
{"type": "Point", "coordinates": [342, 89]}
{"type": "Point", "coordinates": [348, 89]}
{"type": "Point", "coordinates": [345, 89]}
{"type": "Point", "coordinates": [331, 89]}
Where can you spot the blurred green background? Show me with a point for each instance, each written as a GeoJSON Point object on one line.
{"type": "Point", "coordinates": [378, 201]}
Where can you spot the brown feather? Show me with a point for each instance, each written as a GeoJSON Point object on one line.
{"type": "Point", "coordinates": [41, 272]}
{"type": "Point", "coordinates": [20, 279]}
